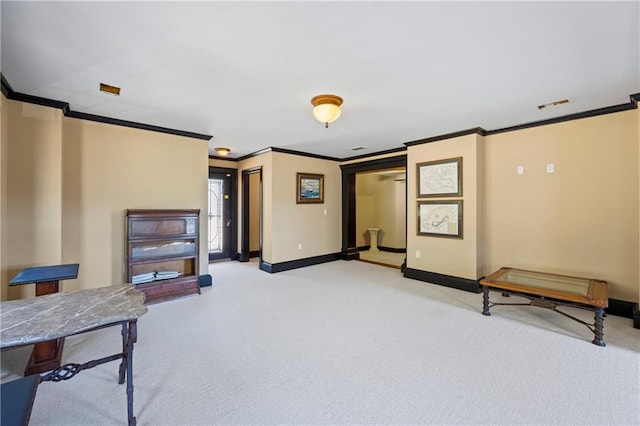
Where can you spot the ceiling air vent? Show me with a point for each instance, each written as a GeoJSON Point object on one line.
{"type": "Point", "coordinates": [552, 104]}
{"type": "Point", "coordinates": [357, 148]}
{"type": "Point", "coordinates": [110, 89]}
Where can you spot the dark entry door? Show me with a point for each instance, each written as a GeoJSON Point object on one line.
{"type": "Point", "coordinates": [221, 219]}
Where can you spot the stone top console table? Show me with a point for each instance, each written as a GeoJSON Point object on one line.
{"type": "Point", "coordinates": [59, 315]}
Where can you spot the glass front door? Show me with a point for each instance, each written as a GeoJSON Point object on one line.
{"type": "Point", "coordinates": [219, 216]}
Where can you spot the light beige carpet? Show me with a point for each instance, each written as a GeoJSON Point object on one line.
{"type": "Point", "coordinates": [383, 257]}
{"type": "Point", "coordinates": [348, 343]}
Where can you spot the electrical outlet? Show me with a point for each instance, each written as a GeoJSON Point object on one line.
{"type": "Point", "coordinates": [520, 170]}
{"type": "Point", "coordinates": [300, 246]}
{"type": "Point", "coordinates": [550, 168]}
{"type": "Point", "coordinates": [325, 212]}
{"type": "Point", "coordinates": [418, 254]}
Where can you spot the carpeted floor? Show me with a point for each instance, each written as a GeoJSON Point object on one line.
{"type": "Point", "coordinates": [394, 260]}
{"type": "Point", "coordinates": [348, 343]}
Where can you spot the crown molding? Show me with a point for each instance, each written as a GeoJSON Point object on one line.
{"type": "Point", "coordinates": [633, 104]}
{"type": "Point", "coordinates": [569, 117]}
{"type": "Point", "coordinates": [303, 154]}
{"type": "Point", "coordinates": [375, 154]}
{"type": "Point", "coordinates": [9, 93]}
{"type": "Point", "coordinates": [474, 131]}
{"type": "Point", "coordinates": [217, 157]}
{"type": "Point", "coordinates": [286, 151]}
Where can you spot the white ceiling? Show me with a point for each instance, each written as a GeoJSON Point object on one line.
{"type": "Point", "coordinates": [245, 72]}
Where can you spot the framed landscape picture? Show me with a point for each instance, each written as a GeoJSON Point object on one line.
{"type": "Point", "coordinates": [442, 178]}
{"type": "Point", "coordinates": [309, 188]}
{"type": "Point", "coordinates": [440, 218]}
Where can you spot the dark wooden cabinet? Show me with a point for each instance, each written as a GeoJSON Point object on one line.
{"type": "Point", "coordinates": [162, 252]}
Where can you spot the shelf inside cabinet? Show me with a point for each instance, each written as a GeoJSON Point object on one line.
{"type": "Point", "coordinates": [149, 249]}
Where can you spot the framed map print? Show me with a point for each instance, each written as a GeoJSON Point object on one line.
{"type": "Point", "coordinates": [440, 218]}
{"type": "Point", "coordinates": [442, 178]}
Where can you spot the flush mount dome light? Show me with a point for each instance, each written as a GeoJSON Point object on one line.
{"type": "Point", "coordinates": [222, 151]}
{"type": "Point", "coordinates": [326, 108]}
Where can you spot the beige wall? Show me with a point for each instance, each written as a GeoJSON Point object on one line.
{"type": "Point", "coordinates": [69, 182]}
{"type": "Point", "coordinates": [286, 224]}
{"type": "Point", "coordinates": [364, 216]}
{"type": "Point", "coordinates": [316, 226]}
{"type": "Point", "coordinates": [66, 183]}
{"type": "Point", "coordinates": [580, 220]}
{"type": "Point", "coordinates": [264, 161]}
{"type": "Point", "coordinates": [381, 203]}
{"type": "Point", "coordinates": [227, 164]}
{"type": "Point", "coordinates": [374, 157]}
{"type": "Point", "coordinates": [447, 256]}
{"type": "Point", "coordinates": [33, 211]}
{"type": "Point", "coordinates": [391, 207]}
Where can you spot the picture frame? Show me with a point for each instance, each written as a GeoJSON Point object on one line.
{"type": "Point", "coordinates": [309, 188]}
{"type": "Point", "coordinates": [441, 178]}
{"type": "Point", "coordinates": [440, 218]}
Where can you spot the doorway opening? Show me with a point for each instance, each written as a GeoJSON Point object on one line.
{"type": "Point", "coordinates": [381, 212]}
{"type": "Point", "coordinates": [251, 226]}
{"type": "Point", "coordinates": [352, 245]}
{"type": "Point", "coordinates": [222, 213]}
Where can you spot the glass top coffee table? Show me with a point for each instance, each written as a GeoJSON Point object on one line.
{"type": "Point", "coordinates": [550, 291]}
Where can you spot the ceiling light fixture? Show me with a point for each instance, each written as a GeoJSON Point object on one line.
{"type": "Point", "coordinates": [326, 108]}
{"type": "Point", "coordinates": [222, 151]}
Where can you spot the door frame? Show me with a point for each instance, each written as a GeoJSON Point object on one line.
{"type": "Point", "coordinates": [233, 194]}
{"type": "Point", "coordinates": [349, 171]}
{"type": "Point", "coordinates": [245, 253]}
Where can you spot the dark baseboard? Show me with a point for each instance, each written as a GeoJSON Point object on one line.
{"type": "Point", "coordinates": [205, 280]}
{"type": "Point", "coordinates": [444, 280]}
{"type": "Point", "coordinates": [299, 263]}
{"type": "Point", "coordinates": [350, 254]}
{"type": "Point", "coordinates": [382, 248]}
{"type": "Point", "coordinates": [255, 253]}
{"type": "Point", "coordinates": [622, 308]}
{"type": "Point", "coordinates": [393, 250]}
{"type": "Point", "coordinates": [242, 258]}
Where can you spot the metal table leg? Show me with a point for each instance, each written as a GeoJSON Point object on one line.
{"type": "Point", "coordinates": [598, 329]}
{"type": "Point", "coordinates": [485, 301]}
{"type": "Point", "coordinates": [132, 337]}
